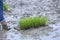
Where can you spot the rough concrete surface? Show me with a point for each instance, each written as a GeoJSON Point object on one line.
{"type": "Point", "coordinates": [28, 8]}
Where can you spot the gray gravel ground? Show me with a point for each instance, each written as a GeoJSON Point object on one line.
{"type": "Point", "coordinates": [28, 8]}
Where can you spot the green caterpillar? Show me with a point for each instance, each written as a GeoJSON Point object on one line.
{"type": "Point", "coordinates": [34, 22]}
{"type": "Point", "coordinates": [5, 7]}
